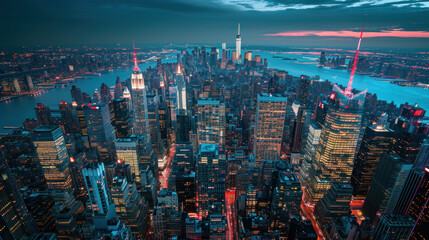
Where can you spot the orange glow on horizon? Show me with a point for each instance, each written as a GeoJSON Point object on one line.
{"type": "Point", "coordinates": [391, 33]}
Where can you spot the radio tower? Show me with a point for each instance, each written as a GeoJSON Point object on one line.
{"type": "Point", "coordinates": [348, 91]}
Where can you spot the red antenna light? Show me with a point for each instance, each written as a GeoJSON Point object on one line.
{"type": "Point", "coordinates": [348, 90]}
{"type": "Point", "coordinates": [136, 67]}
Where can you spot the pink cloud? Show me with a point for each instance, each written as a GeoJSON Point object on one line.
{"type": "Point", "coordinates": [391, 33]}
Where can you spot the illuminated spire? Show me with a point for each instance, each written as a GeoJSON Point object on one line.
{"type": "Point", "coordinates": [136, 67]}
{"type": "Point", "coordinates": [179, 70]}
{"type": "Point", "coordinates": [348, 90]}
{"type": "Point", "coordinates": [238, 33]}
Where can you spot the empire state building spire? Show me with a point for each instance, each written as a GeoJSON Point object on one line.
{"type": "Point", "coordinates": [136, 67]}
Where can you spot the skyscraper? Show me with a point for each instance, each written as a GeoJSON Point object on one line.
{"type": "Point", "coordinates": [286, 198]}
{"type": "Point", "coordinates": [166, 216]}
{"type": "Point", "coordinates": [393, 226]}
{"type": "Point", "coordinates": [118, 89]}
{"type": "Point", "coordinates": [76, 94]}
{"type": "Point", "coordinates": [377, 139]}
{"type": "Point", "coordinates": [172, 105]}
{"type": "Point", "coordinates": [120, 117]}
{"type": "Point", "coordinates": [138, 153]}
{"type": "Point", "coordinates": [102, 206]}
{"type": "Point", "coordinates": [210, 179]}
{"type": "Point", "coordinates": [418, 208]}
{"type": "Point", "coordinates": [105, 93]}
{"type": "Point", "coordinates": [211, 122]}
{"type": "Point", "coordinates": [96, 97]}
{"type": "Point", "coordinates": [338, 141]}
{"type": "Point", "coordinates": [313, 141]}
{"type": "Point", "coordinates": [15, 220]}
{"type": "Point", "coordinates": [270, 117]}
{"type": "Point", "coordinates": [138, 88]}
{"type": "Point", "coordinates": [131, 207]}
{"type": "Point", "coordinates": [100, 130]}
{"type": "Point", "coordinates": [127, 96]}
{"type": "Point", "coordinates": [386, 186]}
{"type": "Point", "coordinates": [304, 85]}
{"type": "Point", "coordinates": [181, 90]}
{"type": "Point", "coordinates": [410, 132]}
{"type": "Point", "coordinates": [68, 119]}
{"type": "Point", "coordinates": [422, 159]}
{"type": "Point", "coordinates": [183, 127]}
{"type": "Point", "coordinates": [154, 124]}
{"type": "Point", "coordinates": [238, 46]}
{"type": "Point", "coordinates": [43, 114]}
{"type": "Point", "coordinates": [335, 203]}
{"type": "Point", "coordinates": [54, 159]}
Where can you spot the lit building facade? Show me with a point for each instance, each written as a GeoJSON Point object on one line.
{"type": "Point", "coordinates": [335, 154]}
{"type": "Point", "coordinates": [210, 178]}
{"type": "Point", "coordinates": [211, 122]}
{"type": "Point", "coordinates": [270, 117]}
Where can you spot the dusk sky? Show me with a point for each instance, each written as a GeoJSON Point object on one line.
{"type": "Point", "coordinates": [305, 23]}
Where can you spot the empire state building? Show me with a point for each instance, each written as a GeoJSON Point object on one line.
{"type": "Point", "coordinates": [139, 100]}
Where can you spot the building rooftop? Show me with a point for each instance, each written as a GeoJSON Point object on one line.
{"type": "Point", "coordinates": [271, 97]}
{"type": "Point", "coordinates": [208, 101]}
{"type": "Point", "coordinates": [45, 128]}
{"type": "Point", "coordinates": [208, 147]}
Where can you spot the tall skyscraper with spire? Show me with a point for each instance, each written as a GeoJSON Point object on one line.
{"type": "Point", "coordinates": [139, 101]}
{"type": "Point", "coordinates": [238, 45]}
{"type": "Point", "coordinates": [338, 140]}
{"type": "Point", "coordinates": [181, 90]}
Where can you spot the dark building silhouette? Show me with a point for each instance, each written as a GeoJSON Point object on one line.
{"type": "Point", "coordinates": [120, 117]}
{"type": "Point", "coordinates": [385, 188]}
{"type": "Point", "coordinates": [418, 208]}
{"type": "Point", "coordinates": [15, 220]}
{"type": "Point", "coordinates": [335, 203]}
{"type": "Point", "coordinates": [76, 95]}
{"type": "Point", "coordinates": [43, 114]}
{"type": "Point", "coordinates": [377, 139]}
{"type": "Point", "coordinates": [68, 119]}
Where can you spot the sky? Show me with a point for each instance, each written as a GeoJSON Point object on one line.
{"type": "Point", "coordinates": [393, 24]}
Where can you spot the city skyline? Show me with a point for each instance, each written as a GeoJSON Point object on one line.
{"type": "Point", "coordinates": [216, 141]}
{"type": "Point", "coordinates": [275, 23]}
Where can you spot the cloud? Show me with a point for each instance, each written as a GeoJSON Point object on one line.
{"type": "Point", "coordinates": [390, 33]}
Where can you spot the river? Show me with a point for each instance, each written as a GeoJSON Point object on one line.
{"type": "Point", "coordinates": [15, 111]}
